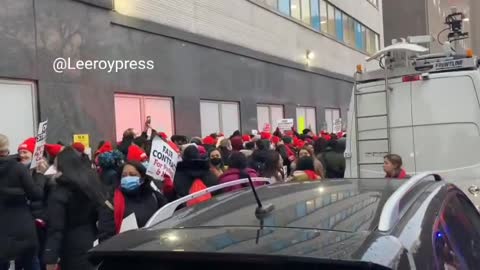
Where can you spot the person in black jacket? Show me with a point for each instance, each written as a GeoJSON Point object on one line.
{"type": "Point", "coordinates": [72, 213]}
{"type": "Point", "coordinates": [136, 195]}
{"type": "Point", "coordinates": [333, 159]}
{"type": "Point", "coordinates": [18, 238]}
{"type": "Point", "coordinates": [191, 168]}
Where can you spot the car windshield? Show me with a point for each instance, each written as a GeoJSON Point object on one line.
{"type": "Point", "coordinates": [343, 205]}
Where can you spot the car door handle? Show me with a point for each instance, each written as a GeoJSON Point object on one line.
{"type": "Point", "coordinates": [474, 190]}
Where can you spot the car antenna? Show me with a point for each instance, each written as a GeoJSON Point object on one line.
{"type": "Point", "coordinates": [261, 210]}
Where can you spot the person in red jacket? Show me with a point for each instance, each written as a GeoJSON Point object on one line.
{"type": "Point", "coordinates": [392, 165]}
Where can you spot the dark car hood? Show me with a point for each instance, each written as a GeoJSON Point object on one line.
{"type": "Point", "coordinates": [269, 241]}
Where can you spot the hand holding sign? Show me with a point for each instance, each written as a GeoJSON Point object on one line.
{"type": "Point", "coordinates": [40, 145]}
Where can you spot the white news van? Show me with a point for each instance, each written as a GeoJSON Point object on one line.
{"type": "Point", "coordinates": [424, 108]}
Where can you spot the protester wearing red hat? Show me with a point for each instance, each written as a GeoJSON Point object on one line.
{"type": "Point", "coordinates": [26, 150]}
{"type": "Point", "coordinates": [53, 149]}
{"type": "Point", "coordinates": [136, 153]}
{"type": "Point", "coordinates": [246, 138]}
{"type": "Point", "coordinates": [79, 147]}
{"type": "Point", "coordinates": [209, 140]}
{"type": "Point", "coordinates": [265, 135]}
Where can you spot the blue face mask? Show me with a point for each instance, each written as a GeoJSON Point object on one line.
{"type": "Point", "coordinates": [130, 183]}
{"type": "Point", "coordinates": [145, 164]}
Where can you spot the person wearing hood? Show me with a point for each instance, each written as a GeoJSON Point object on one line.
{"type": "Point", "coordinates": [190, 169]}
{"type": "Point", "coordinates": [392, 166]}
{"type": "Point", "coordinates": [72, 211]}
{"type": "Point", "coordinates": [18, 235]}
{"type": "Point", "coordinates": [237, 170]}
{"type": "Point", "coordinates": [237, 143]}
{"type": "Point", "coordinates": [305, 170]}
{"type": "Point", "coordinates": [109, 162]}
{"type": "Point", "coordinates": [135, 195]}
{"type": "Point", "coordinates": [333, 159]}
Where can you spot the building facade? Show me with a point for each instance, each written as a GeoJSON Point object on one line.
{"type": "Point", "coordinates": [216, 65]}
{"type": "Point", "coordinates": [427, 17]}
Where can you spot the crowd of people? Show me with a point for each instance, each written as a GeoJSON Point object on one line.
{"type": "Point", "coordinates": [51, 215]}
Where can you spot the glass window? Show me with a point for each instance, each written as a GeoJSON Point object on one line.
{"type": "Point", "coordinates": [331, 116]}
{"type": "Point", "coordinates": [331, 19]}
{"type": "Point", "coordinates": [359, 36]}
{"type": "Point", "coordinates": [295, 9]}
{"type": "Point", "coordinates": [349, 30]}
{"type": "Point", "coordinates": [315, 12]}
{"type": "Point", "coordinates": [371, 42]}
{"type": "Point", "coordinates": [284, 7]}
{"type": "Point", "coordinates": [269, 114]}
{"type": "Point", "coordinates": [309, 118]}
{"type": "Point", "coordinates": [323, 16]}
{"type": "Point", "coordinates": [339, 24]}
{"type": "Point", "coordinates": [131, 111]}
{"type": "Point", "coordinates": [306, 11]}
{"type": "Point", "coordinates": [377, 42]}
{"type": "Point", "coordinates": [219, 117]}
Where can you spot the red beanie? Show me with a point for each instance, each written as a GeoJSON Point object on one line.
{"type": "Point", "coordinates": [163, 135]}
{"type": "Point", "coordinates": [209, 140]}
{"type": "Point", "coordinates": [135, 153]}
{"type": "Point", "coordinates": [28, 144]}
{"type": "Point", "coordinates": [79, 147]}
{"type": "Point", "coordinates": [265, 135]}
{"type": "Point", "coordinates": [53, 149]}
{"type": "Point", "coordinates": [276, 139]}
{"type": "Point", "coordinates": [237, 143]}
{"type": "Point", "coordinates": [201, 150]}
{"type": "Point", "coordinates": [246, 138]}
{"type": "Point", "coordinates": [106, 147]}
{"type": "Point", "coordinates": [174, 147]}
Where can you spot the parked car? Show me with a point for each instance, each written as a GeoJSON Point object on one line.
{"type": "Point", "coordinates": [420, 223]}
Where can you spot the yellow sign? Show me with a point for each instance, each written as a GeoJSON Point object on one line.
{"type": "Point", "coordinates": [301, 124]}
{"type": "Point", "coordinates": [83, 139]}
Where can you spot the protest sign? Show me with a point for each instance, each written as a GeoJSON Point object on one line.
{"type": "Point", "coordinates": [267, 128]}
{"type": "Point", "coordinates": [301, 124]}
{"type": "Point", "coordinates": [285, 124]}
{"type": "Point", "coordinates": [83, 139]}
{"type": "Point", "coordinates": [163, 160]}
{"type": "Point", "coordinates": [337, 125]}
{"type": "Point", "coordinates": [41, 139]}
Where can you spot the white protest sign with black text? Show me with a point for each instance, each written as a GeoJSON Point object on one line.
{"type": "Point", "coordinates": [40, 144]}
{"type": "Point", "coordinates": [163, 160]}
{"type": "Point", "coordinates": [285, 124]}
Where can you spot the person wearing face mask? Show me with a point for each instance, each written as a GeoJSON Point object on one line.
{"type": "Point", "coordinates": [18, 238]}
{"type": "Point", "coordinates": [134, 196]}
{"type": "Point", "coordinates": [216, 163]}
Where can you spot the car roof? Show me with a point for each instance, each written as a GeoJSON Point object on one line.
{"type": "Point", "coordinates": [348, 205]}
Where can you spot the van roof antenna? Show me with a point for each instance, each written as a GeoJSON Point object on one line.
{"type": "Point", "coordinates": [261, 211]}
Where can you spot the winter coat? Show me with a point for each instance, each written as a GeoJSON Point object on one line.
{"type": "Point", "coordinates": [109, 178]}
{"type": "Point", "coordinates": [301, 176]}
{"type": "Point", "coordinates": [402, 174]}
{"type": "Point", "coordinates": [143, 202]}
{"type": "Point", "coordinates": [71, 226]}
{"type": "Point", "coordinates": [188, 171]}
{"type": "Point", "coordinates": [233, 174]}
{"type": "Point", "coordinates": [38, 207]}
{"type": "Point", "coordinates": [17, 228]}
{"type": "Point", "coordinates": [334, 160]}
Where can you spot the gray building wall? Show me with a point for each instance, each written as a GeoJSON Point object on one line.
{"type": "Point", "coordinates": [188, 68]}
{"type": "Point", "coordinates": [404, 18]}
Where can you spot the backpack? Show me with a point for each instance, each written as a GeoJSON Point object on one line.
{"type": "Point", "coordinates": [198, 185]}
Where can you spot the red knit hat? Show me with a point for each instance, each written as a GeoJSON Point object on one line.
{"type": "Point", "coordinates": [275, 139]}
{"type": "Point", "coordinates": [265, 135]}
{"type": "Point", "coordinates": [106, 147]}
{"type": "Point", "coordinates": [163, 135]}
{"type": "Point", "coordinates": [79, 147]}
{"type": "Point", "coordinates": [174, 147]}
{"type": "Point", "coordinates": [201, 150]}
{"type": "Point", "coordinates": [28, 144]}
{"type": "Point", "coordinates": [135, 153]}
{"type": "Point", "coordinates": [246, 138]}
{"type": "Point", "coordinates": [209, 140]}
{"type": "Point", "coordinates": [53, 149]}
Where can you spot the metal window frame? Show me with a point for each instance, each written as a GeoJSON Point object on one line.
{"type": "Point", "coordinates": [332, 120]}
{"type": "Point", "coordinates": [269, 106]}
{"type": "Point", "coordinates": [391, 210]}
{"type": "Point", "coordinates": [167, 210]}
